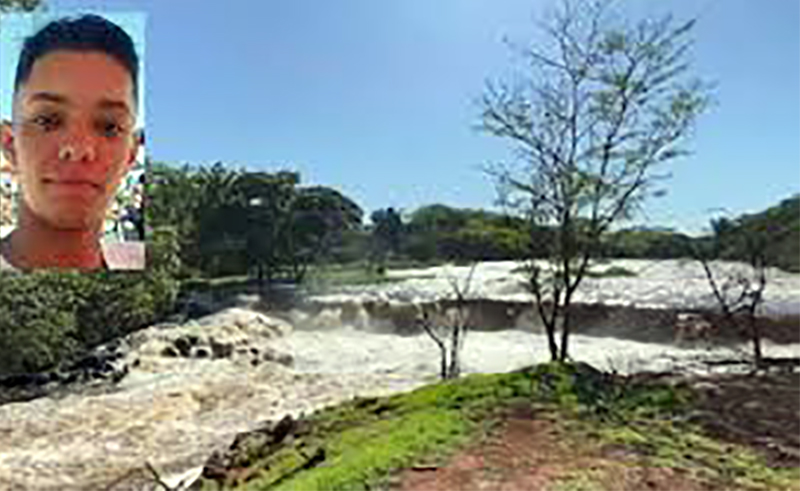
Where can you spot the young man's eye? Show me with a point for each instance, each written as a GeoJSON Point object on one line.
{"type": "Point", "coordinates": [47, 122]}
{"type": "Point", "coordinates": [110, 129]}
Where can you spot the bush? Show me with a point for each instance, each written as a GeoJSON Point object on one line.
{"type": "Point", "coordinates": [51, 317]}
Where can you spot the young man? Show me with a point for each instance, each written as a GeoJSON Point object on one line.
{"type": "Point", "coordinates": [70, 144]}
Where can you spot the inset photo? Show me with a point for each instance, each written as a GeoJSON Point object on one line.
{"type": "Point", "coordinates": [72, 165]}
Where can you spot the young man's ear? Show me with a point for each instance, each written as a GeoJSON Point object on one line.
{"type": "Point", "coordinates": [7, 144]}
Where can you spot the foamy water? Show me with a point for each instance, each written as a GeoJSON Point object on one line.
{"type": "Point", "coordinates": [173, 413]}
{"type": "Point", "coordinates": [677, 284]}
{"type": "Point", "coordinates": [351, 351]}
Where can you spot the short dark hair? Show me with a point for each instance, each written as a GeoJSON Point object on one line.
{"type": "Point", "coordinates": [85, 33]}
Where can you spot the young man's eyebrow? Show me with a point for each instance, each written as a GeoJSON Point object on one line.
{"type": "Point", "coordinates": [114, 104]}
{"type": "Point", "coordinates": [48, 97]}
{"type": "Point", "coordinates": [60, 99]}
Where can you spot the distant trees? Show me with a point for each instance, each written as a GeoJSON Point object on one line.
{"type": "Point", "coordinates": [441, 232]}
{"type": "Point", "coordinates": [387, 234]}
{"type": "Point", "coordinates": [757, 242]}
{"type": "Point", "coordinates": [645, 244]}
{"type": "Point", "coordinates": [592, 119]}
{"type": "Point", "coordinates": [777, 228]}
{"type": "Point", "coordinates": [234, 221]}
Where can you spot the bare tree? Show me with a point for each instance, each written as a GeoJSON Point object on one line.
{"type": "Point", "coordinates": [591, 121]}
{"type": "Point", "coordinates": [739, 291]}
{"type": "Point", "coordinates": [448, 327]}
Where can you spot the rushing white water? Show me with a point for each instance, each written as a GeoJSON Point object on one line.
{"type": "Point", "coordinates": [678, 284]}
{"type": "Point", "coordinates": [350, 351]}
{"type": "Point", "coordinates": [174, 412]}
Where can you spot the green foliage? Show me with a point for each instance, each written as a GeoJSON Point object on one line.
{"type": "Point", "coordinates": [773, 233]}
{"type": "Point", "coordinates": [50, 317]}
{"type": "Point", "coordinates": [37, 320]}
{"type": "Point", "coordinates": [388, 233]}
{"type": "Point", "coordinates": [445, 233]}
{"type": "Point", "coordinates": [234, 221]}
{"type": "Point", "coordinates": [643, 243]}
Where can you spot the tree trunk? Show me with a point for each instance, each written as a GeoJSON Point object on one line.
{"type": "Point", "coordinates": [551, 341]}
{"type": "Point", "coordinates": [453, 371]}
{"type": "Point", "coordinates": [565, 327]}
{"type": "Point", "coordinates": [755, 334]}
{"type": "Point", "coordinates": [260, 278]}
{"type": "Point", "coordinates": [549, 321]}
{"type": "Point", "coordinates": [443, 370]}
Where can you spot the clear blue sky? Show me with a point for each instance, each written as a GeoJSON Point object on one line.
{"type": "Point", "coordinates": [376, 98]}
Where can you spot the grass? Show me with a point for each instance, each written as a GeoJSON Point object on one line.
{"type": "Point", "coordinates": [666, 444]}
{"type": "Point", "coordinates": [364, 440]}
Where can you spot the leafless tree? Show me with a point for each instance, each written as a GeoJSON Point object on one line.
{"type": "Point", "coordinates": [592, 118]}
{"type": "Point", "coordinates": [739, 291]}
{"type": "Point", "coordinates": [448, 327]}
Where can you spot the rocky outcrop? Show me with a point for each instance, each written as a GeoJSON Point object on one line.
{"type": "Point", "coordinates": [237, 334]}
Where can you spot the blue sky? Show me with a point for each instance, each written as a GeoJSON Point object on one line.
{"type": "Point", "coordinates": [377, 98]}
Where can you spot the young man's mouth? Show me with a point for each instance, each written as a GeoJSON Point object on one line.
{"type": "Point", "coordinates": [72, 184]}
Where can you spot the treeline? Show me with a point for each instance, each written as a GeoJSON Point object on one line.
{"type": "Point", "coordinates": [773, 233]}
{"type": "Point", "coordinates": [226, 222]}
{"type": "Point", "coordinates": [270, 226]}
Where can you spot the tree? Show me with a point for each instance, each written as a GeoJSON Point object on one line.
{"type": "Point", "coordinates": [173, 202]}
{"type": "Point", "coordinates": [265, 220]}
{"type": "Point", "coordinates": [597, 115]}
{"type": "Point", "coordinates": [757, 242]}
{"type": "Point", "coordinates": [448, 327]}
{"type": "Point", "coordinates": [322, 217]}
{"type": "Point", "coordinates": [387, 232]}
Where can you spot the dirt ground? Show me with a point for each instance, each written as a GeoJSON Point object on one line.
{"type": "Point", "coordinates": [761, 410]}
{"type": "Point", "coordinates": [532, 451]}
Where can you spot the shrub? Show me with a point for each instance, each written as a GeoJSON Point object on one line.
{"type": "Point", "coordinates": [51, 317]}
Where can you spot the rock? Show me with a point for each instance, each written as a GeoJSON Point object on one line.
{"type": "Point", "coordinates": [201, 352]}
{"type": "Point", "coordinates": [171, 352]}
{"type": "Point", "coordinates": [23, 379]}
{"type": "Point", "coordinates": [183, 346]}
{"type": "Point", "coordinates": [221, 349]}
{"type": "Point", "coordinates": [276, 357]}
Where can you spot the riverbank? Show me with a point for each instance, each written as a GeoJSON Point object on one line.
{"type": "Point", "coordinates": [553, 427]}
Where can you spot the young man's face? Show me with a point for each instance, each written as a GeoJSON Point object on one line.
{"type": "Point", "coordinates": [72, 140]}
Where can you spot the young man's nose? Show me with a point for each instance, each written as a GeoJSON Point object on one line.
{"type": "Point", "coordinates": [78, 147]}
